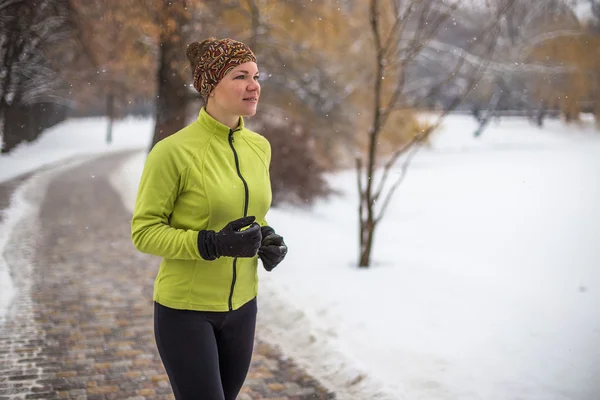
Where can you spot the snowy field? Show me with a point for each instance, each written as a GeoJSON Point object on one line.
{"type": "Point", "coordinates": [486, 276]}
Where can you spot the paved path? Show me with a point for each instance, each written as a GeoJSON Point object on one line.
{"type": "Point", "coordinates": [81, 326]}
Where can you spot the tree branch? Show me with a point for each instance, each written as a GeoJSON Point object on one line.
{"type": "Point", "coordinates": [397, 183]}
{"type": "Point", "coordinates": [376, 128]}
{"type": "Point", "coordinates": [417, 44]}
{"type": "Point", "coordinates": [526, 48]}
{"type": "Point", "coordinates": [8, 3]}
{"type": "Point", "coordinates": [361, 195]}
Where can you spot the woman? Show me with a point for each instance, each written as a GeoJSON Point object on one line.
{"type": "Point", "coordinates": [201, 206]}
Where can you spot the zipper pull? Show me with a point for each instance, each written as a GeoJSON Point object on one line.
{"type": "Point", "coordinates": [230, 135]}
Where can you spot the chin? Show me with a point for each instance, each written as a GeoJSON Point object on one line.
{"type": "Point", "coordinates": [248, 112]}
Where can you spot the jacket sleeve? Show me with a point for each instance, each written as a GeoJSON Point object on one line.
{"type": "Point", "coordinates": [157, 192]}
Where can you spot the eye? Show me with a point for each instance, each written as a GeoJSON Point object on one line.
{"type": "Point", "coordinates": [257, 77]}
{"type": "Point", "coordinates": [240, 76]}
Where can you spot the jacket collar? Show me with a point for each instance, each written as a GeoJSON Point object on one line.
{"type": "Point", "coordinates": [215, 127]}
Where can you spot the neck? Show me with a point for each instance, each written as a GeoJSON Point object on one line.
{"type": "Point", "coordinates": [232, 121]}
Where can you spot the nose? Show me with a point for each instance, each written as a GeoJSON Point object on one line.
{"type": "Point", "coordinates": [253, 86]}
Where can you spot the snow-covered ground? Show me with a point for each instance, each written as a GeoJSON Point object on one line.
{"type": "Point", "coordinates": [486, 282]}
{"type": "Point", "coordinates": [75, 137]}
{"type": "Point", "coordinates": [486, 276]}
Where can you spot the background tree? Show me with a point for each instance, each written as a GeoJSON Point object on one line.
{"type": "Point", "coordinates": [403, 35]}
{"type": "Point", "coordinates": [514, 78]}
{"type": "Point", "coordinates": [173, 95]}
{"type": "Point", "coordinates": [30, 84]}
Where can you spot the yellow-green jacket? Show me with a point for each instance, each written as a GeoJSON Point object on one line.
{"type": "Point", "coordinates": [202, 177]}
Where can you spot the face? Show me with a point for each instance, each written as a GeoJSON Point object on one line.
{"type": "Point", "coordinates": [238, 92]}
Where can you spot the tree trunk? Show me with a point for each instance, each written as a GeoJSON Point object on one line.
{"type": "Point", "coordinates": [172, 99]}
{"type": "Point", "coordinates": [16, 127]}
{"type": "Point", "coordinates": [367, 235]}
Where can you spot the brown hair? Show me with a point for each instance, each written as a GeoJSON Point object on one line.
{"type": "Point", "coordinates": [195, 50]}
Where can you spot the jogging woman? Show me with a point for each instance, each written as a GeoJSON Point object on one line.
{"type": "Point", "coordinates": [201, 205]}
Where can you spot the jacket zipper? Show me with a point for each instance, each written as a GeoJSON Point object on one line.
{"type": "Point", "coordinates": [246, 196]}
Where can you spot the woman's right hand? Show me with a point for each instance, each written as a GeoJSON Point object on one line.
{"type": "Point", "coordinates": [231, 241]}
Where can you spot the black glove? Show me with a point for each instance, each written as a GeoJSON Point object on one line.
{"type": "Point", "coordinates": [231, 241]}
{"type": "Point", "coordinates": [272, 249]}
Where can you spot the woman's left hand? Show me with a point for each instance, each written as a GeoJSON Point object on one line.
{"type": "Point", "coordinates": [272, 249]}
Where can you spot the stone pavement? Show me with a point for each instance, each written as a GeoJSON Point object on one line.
{"type": "Point", "coordinates": [81, 325]}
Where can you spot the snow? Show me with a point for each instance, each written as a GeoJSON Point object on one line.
{"type": "Point", "coordinates": [485, 283]}
{"type": "Point", "coordinates": [11, 216]}
{"type": "Point", "coordinates": [72, 138]}
{"type": "Point", "coordinates": [583, 10]}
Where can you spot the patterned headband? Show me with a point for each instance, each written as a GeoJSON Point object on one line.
{"type": "Point", "coordinates": [220, 58]}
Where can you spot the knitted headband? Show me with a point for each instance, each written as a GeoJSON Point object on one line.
{"type": "Point", "coordinates": [220, 57]}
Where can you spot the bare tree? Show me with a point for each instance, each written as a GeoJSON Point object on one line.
{"type": "Point", "coordinates": [406, 34]}
{"type": "Point", "coordinates": [27, 31]}
{"type": "Point", "coordinates": [525, 27]}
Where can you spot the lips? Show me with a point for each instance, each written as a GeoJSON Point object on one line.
{"type": "Point", "coordinates": [251, 99]}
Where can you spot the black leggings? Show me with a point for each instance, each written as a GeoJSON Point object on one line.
{"type": "Point", "coordinates": [206, 354]}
